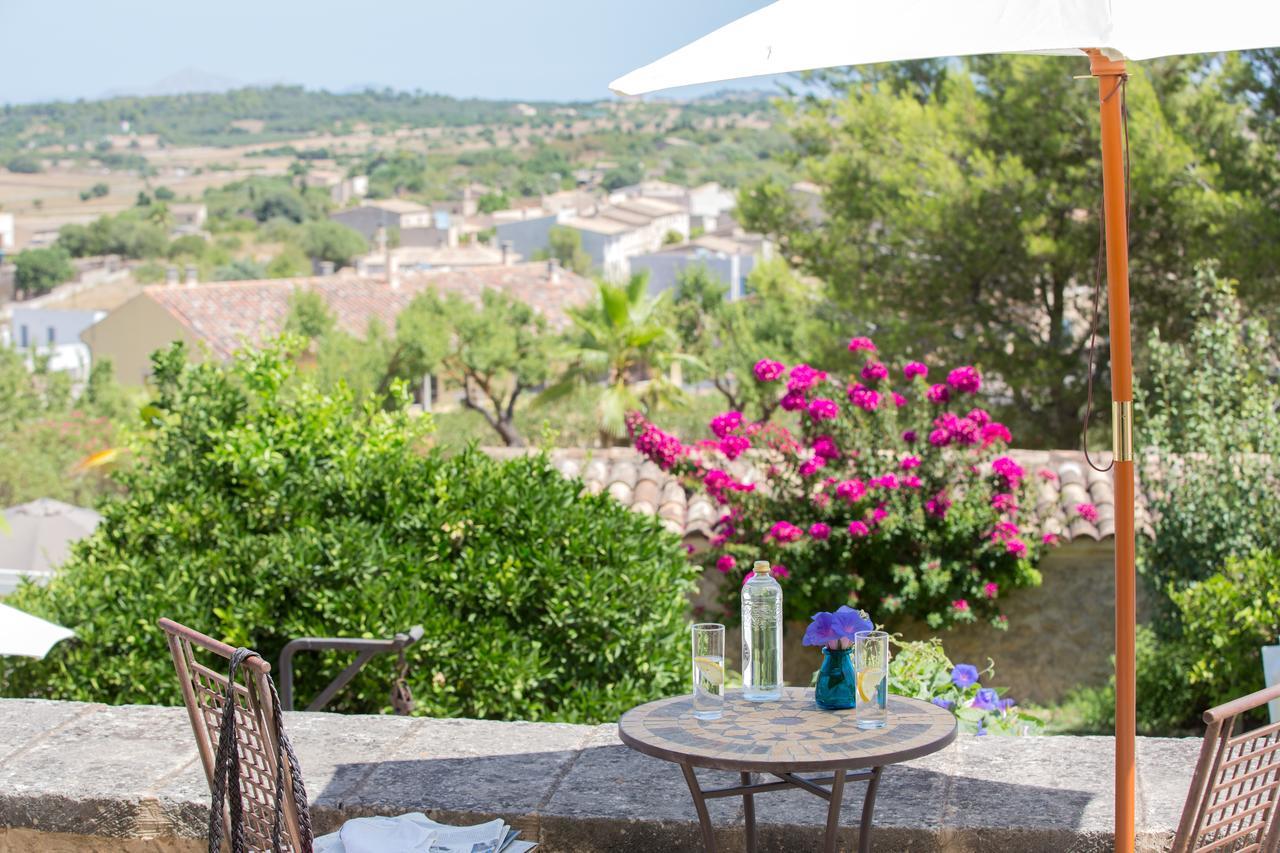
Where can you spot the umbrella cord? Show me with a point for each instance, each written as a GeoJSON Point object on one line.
{"type": "Point", "coordinates": [1121, 83]}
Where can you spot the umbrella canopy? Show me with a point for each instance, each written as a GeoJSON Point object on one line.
{"type": "Point", "coordinates": [24, 635]}
{"type": "Point", "coordinates": [800, 35]}
{"type": "Point", "coordinates": [36, 537]}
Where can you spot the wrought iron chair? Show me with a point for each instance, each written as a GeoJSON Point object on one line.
{"type": "Point", "coordinates": [1232, 803]}
{"type": "Point", "coordinates": [204, 692]}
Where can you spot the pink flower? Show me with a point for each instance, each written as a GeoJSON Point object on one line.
{"type": "Point", "coordinates": [1016, 547]}
{"type": "Point", "coordinates": [821, 499]}
{"type": "Point", "coordinates": [981, 417]}
{"type": "Point", "coordinates": [734, 446]}
{"type": "Point", "coordinates": [1004, 502]}
{"type": "Point", "coordinates": [899, 400]}
{"type": "Point", "coordinates": [938, 393]}
{"type": "Point", "coordinates": [1005, 530]}
{"type": "Point", "coordinates": [995, 431]}
{"type": "Point", "coordinates": [960, 605]}
{"type": "Point", "coordinates": [726, 563]}
{"type": "Point", "coordinates": [879, 514]}
{"type": "Point", "coordinates": [991, 589]}
{"type": "Point", "coordinates": [851, 490]}
{"type": "Point", "coordinates": [780, 571]}
{"type": "Point", "coordinates": [965, 380]}
{"type": "Point", "coordinates": [823, 409]}
{"type": "Point", "coordinates": [938, 505]}
{"type": "Point", "coordinates": [1088, 512]}
{"type": "Point", "coordinates": [725, 423]}
{"type": "Point", "coordinates": [767, 370]}
{"type": "Point", "coordinates": [864, 344]}
{"type": "Point", "coordinates": [811, 466]}
{"type": "Point", "coordinates": [863, 397]}
{"type": "Point", "coordinates": [859, 529]}
{"type": "Point", "coordinates": [909, 436]}
{"type": "Point", "coordinates": [874, 371]}
{"type": "Point", "coordinates": [819, 531]}
{"type": "Point", "coordinates": [804, 377]}
{"type": "Point", "coordinates": [783, 532]}
{"type": "Point", "coordinates": [909, 462]}
{"type": "Point", "coordinates": [663, 449]}
{"type": "Point", "coordinates": [718, 485]}
{"type": "Point", "coordinates": [1009, 471]}
{"type": "Point", "coordinates": [1046, 474]}
{"type": "Point", "coordinates": [912, 369]}
{"type": "Point", "coordinates": [793, 401]}
{"type": "Point", "coordinates": [825, 447]}
{"type": "Point", "coordinates": [1050, 539]}
{"type": "Point", "coordinates": [912, 482]}
{"type": "Point", "coordinates": [939, 437]}
{"type": "Point", "coordinates": [888, 481]}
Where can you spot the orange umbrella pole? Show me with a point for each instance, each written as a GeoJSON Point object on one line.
{"type": "Point", "coordinates": [1111, 75]}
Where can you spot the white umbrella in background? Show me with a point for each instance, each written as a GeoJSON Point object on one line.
{"type": "Point", "coordinates": [800, 35]}
{"type": "Point", "coordinates": [24, 635]}
{"type": "Point", "coordinates": [36, 537]}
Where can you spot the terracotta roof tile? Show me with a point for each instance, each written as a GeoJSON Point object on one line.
{"type": "Point", "coordinates": [638, 483]}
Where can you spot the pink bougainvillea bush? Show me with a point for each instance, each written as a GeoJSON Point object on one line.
{"type": "Point", "coordinates": [894, 492]}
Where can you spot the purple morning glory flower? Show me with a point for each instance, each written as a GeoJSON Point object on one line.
{"type": "Point", "coordinates": [849, 622]}
{"type": "Point", "coordinates": [964, 674]}
{"type": "Point", "coordinates": [942, 703]}
{"type": "Point", "coordinates": [982, 728]}
{"type": "Point", "coordinates": [821, 630]}
{"type": "Point", "coordinates": [987, 700]}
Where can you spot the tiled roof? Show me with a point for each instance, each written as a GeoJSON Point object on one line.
{"type": "Point", "coordinates": [638, 483]}
{"type": "Point", "coordinates": [226, 315]}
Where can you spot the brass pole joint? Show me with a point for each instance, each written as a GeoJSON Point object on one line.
{"type": "Point", "coordinates": [1122, 430]}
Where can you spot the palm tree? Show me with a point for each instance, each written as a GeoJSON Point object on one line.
{"type": "Point", "coordinates": [619, 352]}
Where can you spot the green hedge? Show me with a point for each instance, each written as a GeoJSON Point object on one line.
{"type": "Point", "coordinates": [261, 508]}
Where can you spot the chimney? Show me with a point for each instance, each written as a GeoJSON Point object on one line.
{"type": "Point", "coordinates": [192, 275]}
{"type": "Point", "coordinates": [171, 275]}
{"type": "Point", "coordinates": [326, 268]}
{"type": "Point", "coordinates": [393, 272]}
{"type": "Point", "coordinates": [553, 269]}
{"type": "Point", "coordinates": [507, 247]}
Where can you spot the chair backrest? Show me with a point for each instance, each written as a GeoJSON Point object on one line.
{"type": "Point", "coordinates": [204, 693]}
{"type": "Point", "coordinates": [1232, 804]}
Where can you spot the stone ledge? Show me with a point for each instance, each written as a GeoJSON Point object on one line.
{"type": "Point", "coordinates": [87, 777]}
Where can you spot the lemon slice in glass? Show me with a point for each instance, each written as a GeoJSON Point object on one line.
{"type": "Point", "coordinates": [711, 669]}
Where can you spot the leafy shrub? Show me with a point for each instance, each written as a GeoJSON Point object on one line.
{"type": "Point", "coordinates": [896, 502]}
{"type": "Point", "coordinates": [261, 508]}
{"type": "Point", "coordinates": [922, 670]}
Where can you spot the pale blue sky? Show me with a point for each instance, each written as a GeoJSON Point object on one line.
{"type": "Point", "coordinates": [525, 49]}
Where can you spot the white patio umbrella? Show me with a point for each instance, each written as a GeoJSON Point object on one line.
{"type": "Point", "coordinates": [24, 635]}
{"type": "Point", "coordinates": [800, 35]}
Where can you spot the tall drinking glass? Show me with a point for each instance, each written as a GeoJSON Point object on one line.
{"type": "Point", "coordinates": [708, 670]}
{"type": "Point", "coordinates": [871, 663]}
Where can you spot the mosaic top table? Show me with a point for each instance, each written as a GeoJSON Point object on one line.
{"type": "Point", "coordinates": [783, 739]}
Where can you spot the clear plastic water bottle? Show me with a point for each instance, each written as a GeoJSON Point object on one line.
{"type": "Point", "coordinates": [761, 636]}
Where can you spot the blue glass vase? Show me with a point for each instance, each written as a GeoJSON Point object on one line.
{"type": "Point", "coordinates": [835, 688]}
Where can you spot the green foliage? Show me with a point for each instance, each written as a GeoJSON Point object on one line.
{"type": "Point", "coordinates": [291, 262]}
{"type": "Point", "coordinates": [622, 176]}
{"type": "Point", "coordinates": [498, 351]}
{"type": "Point", "coordinates": [326, 240]}
{"type": "Point", "coordinates": [264, 199]}
{"type": "Point", "coordinates": [1211, 422]}
{"type": "Point", "coordinates": [188, 246]}
{"type": "Point", "coordinates": [783, 316]}
{"type": "Point", "coordinates": [23, 164]}
{"type": "Point", "coordinates": [565, 245]}
{"type": "Point", "coordinates": [38, 271]}
{"type": "Point", "coordinates": [620, 352]}
{"type": "Point", "coordinates": [240, 269]}
{"type": "Point", "coordinates": [922, 670]}
{"type": "Point", "coordinates": [134, 233]}
{"type": "Point", "coordinates": [489, 202]}
{"type": "Point", "coordinates": [98, 190]}
{"type": "Point", "coordinates": [263, 508]}
{"type": "Point", "coordinates": [309, 315]}
{"type": "Point", "coordinates": [165, 194]}
{"type": "Point", "coordinates": [952, 212]}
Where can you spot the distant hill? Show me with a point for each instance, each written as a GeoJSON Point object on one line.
{"type": "Point", "coordinates": [185, 82]}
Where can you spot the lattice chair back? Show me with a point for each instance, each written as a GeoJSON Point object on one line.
{"type": "Point", "coordinates": [204, 691]}
{"type": "Point", "coordinates": [1232, 804]}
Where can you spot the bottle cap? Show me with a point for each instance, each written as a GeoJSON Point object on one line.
{"type": "Point", "coordinates": [761, 567]}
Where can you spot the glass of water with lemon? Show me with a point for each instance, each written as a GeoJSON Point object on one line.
{"type": "Point", "coordinates": [871, 662]}
{"type": "Point", "coordinates": [708, 670]}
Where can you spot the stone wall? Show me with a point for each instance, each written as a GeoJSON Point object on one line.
{"type": "Point", "coordinates": [83, 777]}
{"type": "Point", "coordinates": [1061, 634]}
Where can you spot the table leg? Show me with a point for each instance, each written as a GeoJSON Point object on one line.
{"type": "Point", "coordinates": [749, 814]}
{"type": "Point", "coordinates": [700, 803]}
{"type": "Point", "coordinates": [868, 808]}
{"type": "Point", "coordinates": [833, 812]}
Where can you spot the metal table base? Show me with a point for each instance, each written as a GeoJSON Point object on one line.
{"type": "Point", "coordinates": [834, 795]}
